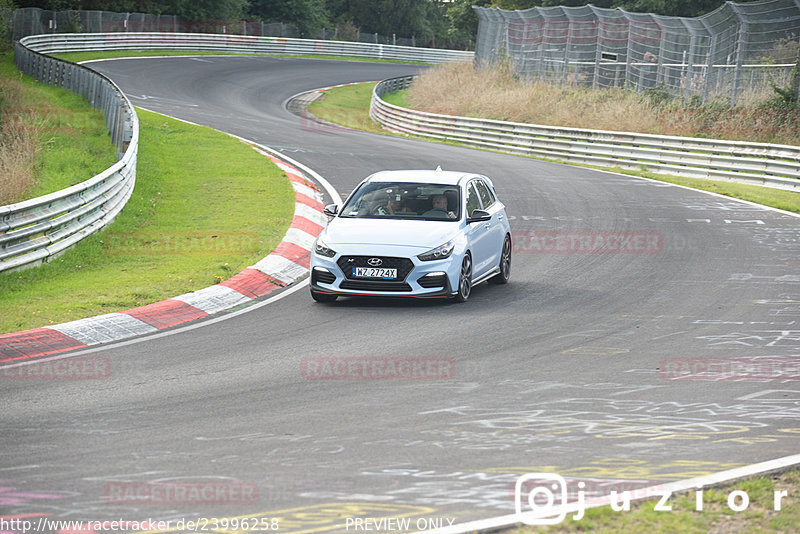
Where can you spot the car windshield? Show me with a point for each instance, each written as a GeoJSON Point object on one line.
{"type": "Point", "coordinates": [404, 200]}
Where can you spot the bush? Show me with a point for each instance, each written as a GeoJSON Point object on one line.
{"type": "Point", "coordinates": [784, 98]}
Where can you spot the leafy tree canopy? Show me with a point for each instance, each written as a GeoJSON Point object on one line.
{"type": "Point", "coordinates": [448, 22]}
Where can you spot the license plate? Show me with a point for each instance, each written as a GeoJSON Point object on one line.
{"type": "Point", "coordinates": [374, 272]}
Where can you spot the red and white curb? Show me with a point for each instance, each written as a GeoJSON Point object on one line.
{"type": "Point", "coordinates": [284, 266]}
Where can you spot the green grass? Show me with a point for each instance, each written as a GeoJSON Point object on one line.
{"type": "Point", "coordinates": [398, 98]}
{"type": "Point", "coordinates": [72, 138]}
{"type": "Point", "coordinates": [349, 106]}
{"type": "Point", "coordinates": [192, 183]}
{"type": "Point", "coordinates": [776, 198]}
{"type": "Point", "coordinates": [77, 57]}
{"type": "Point", "coordinates": [715, 516]}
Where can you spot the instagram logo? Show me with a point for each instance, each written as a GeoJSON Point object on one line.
{"type": "Point", "coordinates": [541, 498]}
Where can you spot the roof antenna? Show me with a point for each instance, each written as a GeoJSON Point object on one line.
{"type": "Point", "coordinates": [439, 168]}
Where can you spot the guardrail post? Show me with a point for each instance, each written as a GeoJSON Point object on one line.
{"type": "Point", "coordinates": [52, 219]}
{"type": "Point", "coordinates": [776, 166]}
{"type": "Point", "coordinates": [101, 197]}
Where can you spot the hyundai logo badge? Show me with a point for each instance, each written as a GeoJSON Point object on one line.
{"type": "Point", "coordinates": [374, 262]}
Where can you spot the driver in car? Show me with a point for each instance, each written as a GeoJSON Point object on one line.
{"type": "Point", "coordinates": [439, 209]}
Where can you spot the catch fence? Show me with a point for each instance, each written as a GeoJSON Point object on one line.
{"type": "Point", "coordinates": [720, 56]}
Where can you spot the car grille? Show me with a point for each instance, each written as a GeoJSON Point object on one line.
{"type": "Point", "coordinates": [433, 281]}
{"type": "Point", "coordinates": [374, 285]}
{"type": "Point", "coordinates": [319, 276]}
{"type": "Point", "coordinates": [403, 266]}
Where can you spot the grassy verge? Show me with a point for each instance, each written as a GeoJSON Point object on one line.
{"type": "Point", "coordinates": [205, 206]}
{"type": "Point", "coordinates": [497, 93]}
{"type": "Point", "coordinates": [776, 198]}
{"type": "Point", "coordinates": [77, 57]}
{"type": "Point", "coordinates": [67, 140]}
{"type": "Point", "coordinates": [715, 516]}
{"type": "Point", "coordinates": [398, 98]}
{"type": "Point", "coordinates": [349, 106]}
{"type": "Point", "coordinates": [346, 106]}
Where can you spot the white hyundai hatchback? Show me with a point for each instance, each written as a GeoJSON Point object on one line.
{"type": "Point", "coordinates": [415, 233]}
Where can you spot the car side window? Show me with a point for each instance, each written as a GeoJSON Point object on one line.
{"type": "Point", "coordinates": [485, 193]}
{"type": "Point", "coordinates": [473, 200]}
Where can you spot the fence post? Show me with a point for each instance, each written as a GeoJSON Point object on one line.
{"type": "Point", "coordinates": [629, 66]}
{"type": "Point", "coordinates": [598, 48]}
{"type": "Point", "coordinates": [567, 48]}
{"type": "Point", "coordinates": [690, 60]}
{"type": "Point", "coordinates": [796, 89]}
{"type": "Point", "coordinates": [740, 46]}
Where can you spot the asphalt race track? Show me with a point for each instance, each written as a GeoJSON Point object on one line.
{"type": "Point", "coordinates": [586, 365]}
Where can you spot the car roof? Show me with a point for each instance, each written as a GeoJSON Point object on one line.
{"type": "Point", "coordinates": [420, 176]}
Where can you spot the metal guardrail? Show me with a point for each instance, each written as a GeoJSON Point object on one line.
{"type": "Point", "coordinates": [70, 42]}
{"type": "Point", "coordinates": [775, 166]}
{"type": "Point", "coordinates": [37, 230]}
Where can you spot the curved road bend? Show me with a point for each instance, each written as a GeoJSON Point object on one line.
{"type": "Point", "coordinates": [568, 369]}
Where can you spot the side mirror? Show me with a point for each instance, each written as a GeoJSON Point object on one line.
{"type": "Point", "coordinates": [479, 216]}
{"type": "Point", "coordinates": [331, 210]}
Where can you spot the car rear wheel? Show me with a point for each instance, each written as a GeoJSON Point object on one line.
{"type": "Point", "coordinates": [505, 264]}
{"type": "Point", "coordinates": [465, 279]}
{"type": "Point", "coordinates": [323, 297]}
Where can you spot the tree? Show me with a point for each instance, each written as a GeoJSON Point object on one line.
{"type": "Point", "coordinates": [6, 8]}
{"type": "Point", "coordinates": [463, 21]}
{"type": "Point", "coordinates": [423, 19]}
{"type": "Point", "coordinates": [674, 8]}
{"type": "Point", "coordinates": [308, 16]}
{"type": "Point", "coordinates": [223, 10]}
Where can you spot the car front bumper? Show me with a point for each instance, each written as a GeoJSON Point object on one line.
{"type": "Point", "coordinates": [424, 279]}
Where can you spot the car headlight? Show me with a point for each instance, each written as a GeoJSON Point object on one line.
{"type": "Point", "coordinates": [321, 248]}
{"type": "Point", "coordinates": [439, 253]}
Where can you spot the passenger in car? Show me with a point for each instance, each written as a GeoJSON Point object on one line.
{"type": "Point", "coordinates": [394, 205]}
